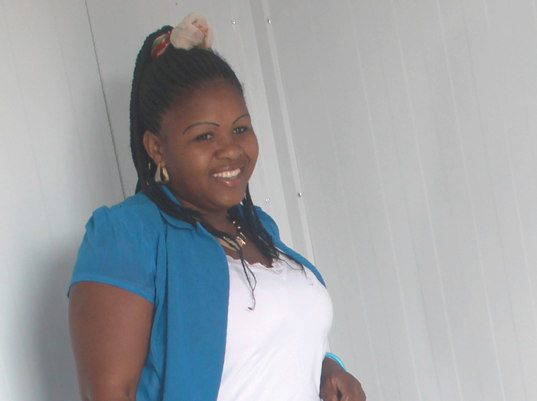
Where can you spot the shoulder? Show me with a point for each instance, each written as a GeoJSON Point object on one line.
{"type": "Point", "coordinates": [268, 223]}
{"type": "Point", "coordinates": [135, 214]}
{"type": "Point", "coordinates": [132, 226]}
{"type": "Point", "coordinates": [137, 208]}
{"type": "Point", "coordinates": [272, 228]}
{"type": "Point", "coordinates": [120, 246]}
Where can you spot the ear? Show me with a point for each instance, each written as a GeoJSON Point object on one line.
{"type": "Point", "coordinates": [153, 146]}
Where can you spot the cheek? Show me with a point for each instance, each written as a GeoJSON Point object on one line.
{"type": "Point", "coordinates": [178, 163]}
{"type": "Point", "coordinates": [190, 165]}
{"type": "Point", "coordinates": [253, 149]}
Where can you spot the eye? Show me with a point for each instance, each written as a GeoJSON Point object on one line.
{"type": "Point", "coordinates": [204, 137]}
{"type": "Point", "coordinates": [240, 130]}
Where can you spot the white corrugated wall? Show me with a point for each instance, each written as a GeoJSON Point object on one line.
{"type": "Point", "coordinates": [58, 165]}
{"type": "Point", "coordinates": [415, 129]}
{"type": "Point", "coordinates": [408, 127]}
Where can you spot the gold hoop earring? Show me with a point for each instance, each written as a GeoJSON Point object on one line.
{"type": "Point", "coordinates": [165, 175]}
{"type": "Point", "coordinates": [161, 175]}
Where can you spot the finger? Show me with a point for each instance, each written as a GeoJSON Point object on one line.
{"type": "Point", "coordinates": [355, 395]}
{"type": "Point", "coordinates": [330, 398]}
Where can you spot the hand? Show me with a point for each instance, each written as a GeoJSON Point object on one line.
{"type": "Point", "coordinates": [339, 385]}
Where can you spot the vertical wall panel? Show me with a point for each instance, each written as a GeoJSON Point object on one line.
{"type": "Point", "coordinates": [414, 129]}
{"type": "Point", "coordinates": [59, 165]}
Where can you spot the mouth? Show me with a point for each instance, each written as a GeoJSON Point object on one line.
{"type": "Point", "coordinates": [228, 174]}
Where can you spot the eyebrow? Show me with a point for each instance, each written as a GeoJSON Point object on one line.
{"type": "Point", "coordinates": [215, 124]}
{"type": "Point", "coordinates": [201, 122]}
{"type": "Point", "coordinates": [239, 117]}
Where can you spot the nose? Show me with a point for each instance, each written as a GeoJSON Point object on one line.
{"type": "Point", "coordinates": [228, 148]}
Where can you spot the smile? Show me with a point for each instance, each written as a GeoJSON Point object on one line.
{"type": "Point", "coordinates": [228, 174]}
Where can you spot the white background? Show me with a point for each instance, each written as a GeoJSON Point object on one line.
{"type": "Point", "coordinates": [409, 126]}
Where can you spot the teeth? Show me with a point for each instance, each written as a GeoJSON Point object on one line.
{"type": "Point", "coordinates": [228, 174]}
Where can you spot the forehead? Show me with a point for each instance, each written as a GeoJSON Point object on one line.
{"type": "Point", "coordinates": [219, 99]}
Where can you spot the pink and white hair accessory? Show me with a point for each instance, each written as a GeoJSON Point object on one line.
{"type": "Point", "coordinates": [192, 31]}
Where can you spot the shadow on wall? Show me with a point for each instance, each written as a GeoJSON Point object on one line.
{"type": "Point", "coordinates": [39, 365]}
{"type": "Point", "coordinates": [54, 359]}
{"type": "Point", "coordinates": [55, 371]}
{"type": "Point", "coordinates": [118, 94]}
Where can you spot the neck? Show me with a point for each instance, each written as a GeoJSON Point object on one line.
{"type": "Point", "coordinates": [219, 221]}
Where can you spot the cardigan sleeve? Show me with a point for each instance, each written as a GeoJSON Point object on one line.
{"type": "Point", "coordinates": [117, 250]}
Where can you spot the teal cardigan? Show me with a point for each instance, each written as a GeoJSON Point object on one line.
{"type": "Point", "coordinates": [183, 271]}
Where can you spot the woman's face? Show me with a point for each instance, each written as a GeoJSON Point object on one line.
{"type": "Point", "coordinates": [208, 146]}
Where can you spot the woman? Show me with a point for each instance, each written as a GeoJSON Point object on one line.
{"type": "Point", "coordinates": [184, 291]}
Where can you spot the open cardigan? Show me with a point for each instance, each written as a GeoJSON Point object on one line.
{"type": "Point", "coordinates": [181, 269]}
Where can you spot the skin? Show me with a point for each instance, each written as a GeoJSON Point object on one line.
{"type": "Point", "coordinates": [209, 134]}
{"type": "Point", "coordinates": [110, 330]}
{"type": "Point", "coordinates": [209, 148]}
{"type": "Point", "coordinates": [338, 384]}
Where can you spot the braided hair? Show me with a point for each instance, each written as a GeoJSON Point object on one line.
{"type": "Point", "coordinates": [156, 85]}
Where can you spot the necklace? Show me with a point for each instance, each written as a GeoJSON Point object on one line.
{"type": "Point", "coordinates": [235, 244]}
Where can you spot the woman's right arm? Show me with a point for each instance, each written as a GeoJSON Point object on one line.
{"type": "Point", "coordinates": [110, 329]}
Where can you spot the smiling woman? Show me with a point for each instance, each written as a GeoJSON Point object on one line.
{"type": "Point", "coordinates": [185, 291]}
{"type": "Point", "coordinates": [209, 148]}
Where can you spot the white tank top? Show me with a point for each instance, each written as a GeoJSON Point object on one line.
{"type": "Point", "coordinates": [275, 352]}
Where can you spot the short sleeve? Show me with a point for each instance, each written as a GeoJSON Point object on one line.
{"type": "Point", "coordinates": [117, 250]}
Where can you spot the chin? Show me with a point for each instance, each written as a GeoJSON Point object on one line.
{"type": "Point", "coordinates": [232, 201]}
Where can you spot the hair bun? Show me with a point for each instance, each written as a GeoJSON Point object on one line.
{"type": "Point", "coordinates": [192, 31]}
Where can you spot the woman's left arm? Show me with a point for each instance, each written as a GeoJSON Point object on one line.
{"type": "Point", "coordinates": [339, 385]}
